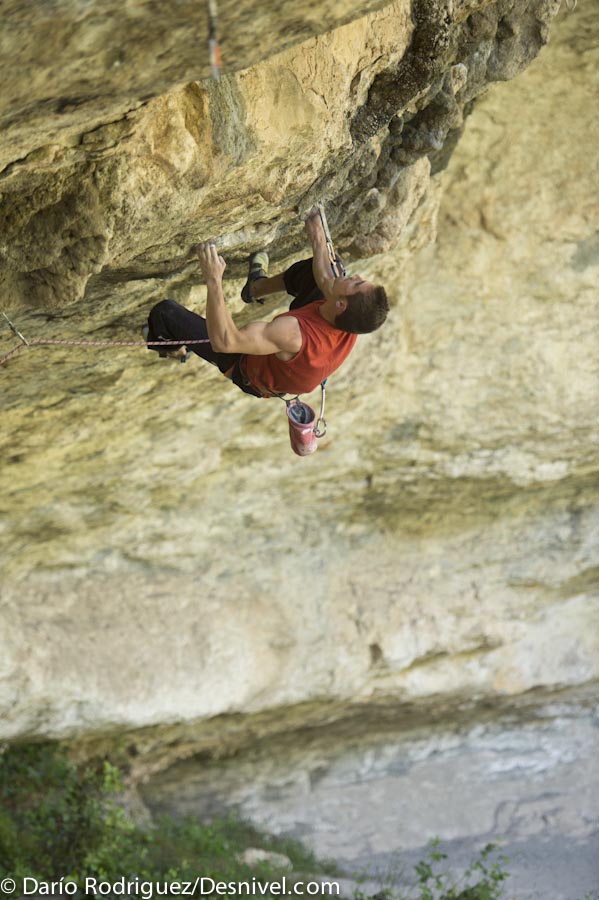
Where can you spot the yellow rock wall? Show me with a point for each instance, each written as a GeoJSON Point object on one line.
{"type": "Point", "coordinates": [165, 557]}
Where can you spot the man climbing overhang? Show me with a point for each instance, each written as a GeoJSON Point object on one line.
{"type": "Point", "coordinates": [297, 350]}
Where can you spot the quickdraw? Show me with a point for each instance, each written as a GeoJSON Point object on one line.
{"type": "Point", "coordinates": [213, 45]}
{"type": "Point", "coordinates": [336, 264]}
{"type": "Point", "coordinates": [318, 431]}
{"type": "Point", "coordinates": [15, 330]}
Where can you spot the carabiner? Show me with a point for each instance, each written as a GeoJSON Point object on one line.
{"type": "Point", "coordinates": [317, 430]}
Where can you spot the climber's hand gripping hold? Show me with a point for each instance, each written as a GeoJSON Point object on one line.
{"type": "Point", "coordinates": [282, 336]}
{"type": "Point", "coordinates": [212, 265]}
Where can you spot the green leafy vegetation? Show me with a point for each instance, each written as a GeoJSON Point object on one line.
{"type": "Point", "coordinates": [57, 819]}
{"type": "Point", "coordinates": [61, 820]}
{"type": "Point", "coordinates": [482, 880]}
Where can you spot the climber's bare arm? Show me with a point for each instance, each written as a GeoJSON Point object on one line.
{"type": "Point", "coordinates": [261, 338]}
{"type": "Point", "coordinates": [258, 338]}
{"type": "Point", "coordinates": [321, 266]}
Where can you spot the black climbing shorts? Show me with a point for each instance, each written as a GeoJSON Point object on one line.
{"type": "Point", "coordinates": [170, 321]}
{"type": "Point", "coordinates": [300, 283]}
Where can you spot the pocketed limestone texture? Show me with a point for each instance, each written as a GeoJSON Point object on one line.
{"type": "Point", "coordinates": [167, 561]}
{"type": "Point", "coordinates": [103, 193]}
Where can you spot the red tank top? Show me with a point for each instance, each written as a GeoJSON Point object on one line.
{"type": "Point", "coordinates": [323, 349]}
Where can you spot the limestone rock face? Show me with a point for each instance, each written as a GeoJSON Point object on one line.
{"type": "Point", "coordinates": [166, 560]}
{"type": "Point", "coordinates": [128, 176]}
{"type": "Point", "coordinates": [68, 67]}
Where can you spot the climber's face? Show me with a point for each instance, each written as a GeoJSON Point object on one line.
{"type": "Point", "coordinates": [349, 285]}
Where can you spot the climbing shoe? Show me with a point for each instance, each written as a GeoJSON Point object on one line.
{"type": "Point", "coordinates": [163, 353]}
{"type": "Point", "coordinates": [258, 268]}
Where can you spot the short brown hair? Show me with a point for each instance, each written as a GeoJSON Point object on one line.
{"type": "Point", "coordinates": [364, 312]}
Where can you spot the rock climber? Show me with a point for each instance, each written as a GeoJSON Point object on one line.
{"type": "Point", "coordinates": [298, 349]}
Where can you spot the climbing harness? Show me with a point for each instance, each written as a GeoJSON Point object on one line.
{"type": "Point", "coordinates": [37, 341]}
{"type": "Point", "coordinates": [213, 45]}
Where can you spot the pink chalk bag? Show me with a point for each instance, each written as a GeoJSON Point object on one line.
{"type": "Point", "coordinates": [304, 427]}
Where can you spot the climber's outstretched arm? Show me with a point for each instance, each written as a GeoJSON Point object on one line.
{"type": "Point", "coordinates": [321, 266]}
{"type": "Point", "coordinates": [283, 334]}
{"type": "Point", "coordinates": [258, 338]}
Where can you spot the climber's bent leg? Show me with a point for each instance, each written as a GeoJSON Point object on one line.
{"type": "Point", "coordinates": [170, 321]}
{"type": "Point", "coordinates": [262, 287]}
{"type": "Point", "coordinates": [300, 283]}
